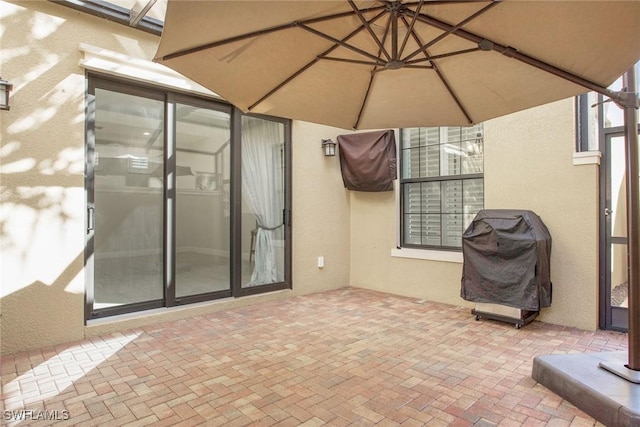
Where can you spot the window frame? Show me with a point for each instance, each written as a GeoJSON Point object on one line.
{"type": "Point", "coordinates": [437, 178]}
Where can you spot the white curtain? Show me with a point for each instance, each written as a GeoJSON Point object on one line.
{"type": "Point", "coordinates": [262, 188]}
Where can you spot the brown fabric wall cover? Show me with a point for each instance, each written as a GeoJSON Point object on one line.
{"type": "Point", "coordinates": [368, 160]}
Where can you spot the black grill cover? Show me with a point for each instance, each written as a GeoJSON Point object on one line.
{"type": "Point", "coordinates": [507, 260]}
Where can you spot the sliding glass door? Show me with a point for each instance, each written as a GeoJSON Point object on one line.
{"type": "Point", "coordinates": [125, 213]}
{"type": "Point", "coordinates": [202, 255]}
{"type": "Point", "coordinates": [616, 300]}
{"type": "Point", "coordinates": [263, 201]}
{"type": "Point", "coordinates": [169, 176]}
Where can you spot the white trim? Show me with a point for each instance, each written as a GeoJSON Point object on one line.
{"type": "Point", "coordinates": [587, 158]}
{"type": "Point", "coordinates": [426, 254]}
{"type": "Point", "coordinates": [142, 70]}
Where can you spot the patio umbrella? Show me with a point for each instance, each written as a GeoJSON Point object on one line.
{"type": "Point", "coordinates": [390, 64]}
{"type": "Point", "coordinates": [380, 64]}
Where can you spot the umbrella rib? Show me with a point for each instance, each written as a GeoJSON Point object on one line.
{"type": "Point", "coordinates": [368, 28]}
{"type": "Point", "coordinates": [338, 42]}
{"type": "Point", "coordinates": [364, 102]}
{"type": "Point", "coordinates": [314, 61]}
{"type": "Point", "coordinates": [371, 77]}
{"type": "Point", "coordinates": [410, 29]}
{"type": "Point", "coordinates": [414, 66]}
{"type": "Point", "coordinates": [439, 2]}
{"type": "Point", "coordinates": [444, 55]}
{"type": "Point", "coordinates": [444, 81]}
{"type": "Point", "coordinates": [453, 94]}
{"type": "Point", "coordinates": [352, 61]}
{"type": "Point", "coordinates": [449, 31]}
{"type": "Point", "coordinates": [189, 51]}
{"type": "Point", "coordinates": [511, 52]}
{"type": "Point", "coordinates": [195, 49]}
{"type": "Point", "coordinates": [373, 73]}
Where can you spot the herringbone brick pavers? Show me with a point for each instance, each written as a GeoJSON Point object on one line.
{"type": "Point", "coordinates": [349, 357]}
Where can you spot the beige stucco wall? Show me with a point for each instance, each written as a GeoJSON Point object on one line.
{"type": "Point", "coordinates": [320, 212]}
{"type": "Point", "coordinates": [373, 236]}
{"type": "Point", "coordinates": [528, 165]}
{"type": "Point", "coordinates": [42, 171]}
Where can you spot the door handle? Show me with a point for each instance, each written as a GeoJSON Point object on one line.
{"type": "Point", "coordinates": [91, 218]}
{"type": "Point", "coordinates": [608, 212]}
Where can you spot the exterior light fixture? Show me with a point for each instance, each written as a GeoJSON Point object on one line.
{"type": "Point", "coordinates": [329, 147]}
{"type": "Point", "coordinates": [5, 89]}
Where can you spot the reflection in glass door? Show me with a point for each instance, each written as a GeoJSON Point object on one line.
{"type": "Point", "coordinates": [616, 234]}
{"type": "Point", "coordinates": [202, 253]}
{"type": "Point", "coordinates": [126, 213]}
{"type": "Point", "coordinates": [263, 202]}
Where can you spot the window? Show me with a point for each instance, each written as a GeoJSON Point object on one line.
{"type": "Point", "coordinates": [442, 184]}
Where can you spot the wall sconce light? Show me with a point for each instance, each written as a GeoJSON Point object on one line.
{"type": "Point", "coordinates": [5, 89]}
{"type": "Point", "coordinates": [329, 147]}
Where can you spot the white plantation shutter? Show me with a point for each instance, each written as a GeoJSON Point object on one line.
{"type": "Point", "coordinates": [412, 216]}
{"type": "Point", "coordinates": [451, 212]}
{"type": "Point", "coordinates": [436, 211]}
{"type": "Point", "coordinates": [431, 163]}
{"type": "Point", "coordinates": [473, 196]}
{"type": "Point", "coordinates": [431, 199]}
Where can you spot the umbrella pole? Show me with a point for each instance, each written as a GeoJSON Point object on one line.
{"type": "Point", "coordinates": [633, 223]}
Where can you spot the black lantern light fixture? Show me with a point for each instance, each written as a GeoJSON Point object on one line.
{"type": "Point", "coordinates": [5, 89]}
{"type": "Point", "coordinates": [329, 147]}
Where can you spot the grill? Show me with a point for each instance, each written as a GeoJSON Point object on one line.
{"type": "Point", "coordinates": [506, 269]}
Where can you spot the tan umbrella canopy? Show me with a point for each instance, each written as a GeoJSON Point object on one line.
{"type": "Point", "coordinates": [379, 64]}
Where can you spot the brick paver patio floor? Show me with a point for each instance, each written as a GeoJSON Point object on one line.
{"type": "Point", "coordinates": [345, 357]}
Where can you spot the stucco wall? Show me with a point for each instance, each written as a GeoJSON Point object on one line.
{"type": "Point", "coordinates": [528, 165]}
{"type": "Point", "coordinates": [373, 236]}
{"type": "Point", "coordinates": [42, 215]}
{"type": "Point", "coordinates": [320, 212]}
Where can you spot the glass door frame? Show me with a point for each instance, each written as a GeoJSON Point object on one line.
{"type": "Point", "coordinates": [99, 82]}
{"type": "Point", "coordinates": [170, 98]}
{"type": "Point", "coordinates": [171, 195]}
{"type": "Point", "coordinates": [611, 317]}
{"type": "Point", "coordinates": [607, 128]}
{"type": "Point", "coordinates": [236, 202]}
